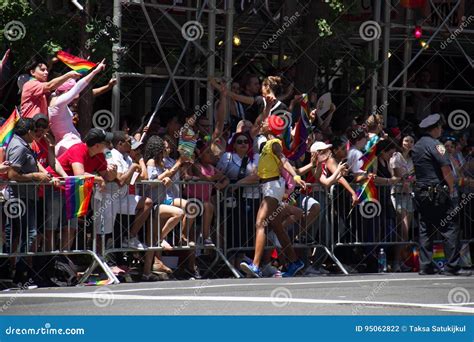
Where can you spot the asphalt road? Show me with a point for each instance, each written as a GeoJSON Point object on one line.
{"type": "Point", "coordinates": [385, 294]}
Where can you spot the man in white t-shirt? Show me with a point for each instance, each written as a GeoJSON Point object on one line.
{"type": "Point", "coordinates": [116, 198]}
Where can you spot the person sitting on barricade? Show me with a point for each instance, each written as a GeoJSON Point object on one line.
{"type": "Point", "coordinates": [116, 198]}
{"type": "Point", "coordinates": [203, 170]}
{"type": "Point", "coordinates": [86, 158]}
{"type": "Point", "coordinates": [169, 213]}
{"type": "Point", "coordinates": [23, 169]}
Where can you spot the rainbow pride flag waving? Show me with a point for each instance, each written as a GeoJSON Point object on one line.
{"type": "Point", "coordinates": [370, 155]}
{"type": "Point", "coordinates": [78, 195]}
{"type": "Point", "coordinates": [80, 65]}
{"type": "Point", "coordinates": [6, 131]}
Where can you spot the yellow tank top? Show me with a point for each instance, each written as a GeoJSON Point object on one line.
{"type": "Point", "coordinates": [268, 163]}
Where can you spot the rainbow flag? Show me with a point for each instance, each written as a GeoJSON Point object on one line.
{"type": "Point", "coordinates": [370, 155]}
{"type": "Point", "coordinates": [80, 65]}
{"type": "Point", "coordinates": [293, 150]}
{"type": "Point", "coordinates": [6, 131]}
{"type": "Point", "coordinates": [78, 195]}
{"type": "Point", "coordinates": [367, 192]}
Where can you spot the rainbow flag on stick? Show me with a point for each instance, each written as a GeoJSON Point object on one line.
{"type": "Point", "coordinates": [80, 65]}
{"type": "Point", "coordinates": [78, 195]}
{"type": "Point", "coordinates": [6, 131]}
{"type": "Point", "coordinates": [368, 191]}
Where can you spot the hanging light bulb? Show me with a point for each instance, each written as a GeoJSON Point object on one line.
{"type": "Point", "coordinates": [236, 40]}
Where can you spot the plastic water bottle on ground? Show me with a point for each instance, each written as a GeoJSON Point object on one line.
{"type": "Point", "coordinates": [382, 260]}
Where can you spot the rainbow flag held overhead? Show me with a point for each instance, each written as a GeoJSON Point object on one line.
{"type": "Point", "coordinates": [293, 150]}
{"type": "Point", "coordinates": [80, 65]}
{"type": "Point", "coordinates": [6, 131]}
{"type": "Point", "coordinates": [78, 195]}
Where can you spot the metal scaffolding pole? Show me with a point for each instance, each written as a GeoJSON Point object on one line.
{"type": "Point", "coordinates": [375, 55]}
{"type": "Point", "coordinates": [406, 60]}
{"type": "Point", "coordinates": [211, 61]}
{"type": "Point", "coordinates": [229, 33]}
{"type": "Point", "coordinates": [386, 46]}
{"type": "Point", "coordinates": [117, 21]}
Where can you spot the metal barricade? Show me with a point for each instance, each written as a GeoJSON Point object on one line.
{"type": "Point", "coordinates": [308, 227]}
{"type": "Point", "coordinates": [180, 217]}
{"type": "Point", "coordinates": [33, 221]}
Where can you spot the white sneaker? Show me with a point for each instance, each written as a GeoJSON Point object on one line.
{"type": "Point", "coordinates": [133, 243]}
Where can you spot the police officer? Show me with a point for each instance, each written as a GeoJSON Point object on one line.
{"type": "Point", "coordinates": [435, 197]}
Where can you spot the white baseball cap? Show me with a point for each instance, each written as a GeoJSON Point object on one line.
{"type": "Point", "coordinates": [319, 146]}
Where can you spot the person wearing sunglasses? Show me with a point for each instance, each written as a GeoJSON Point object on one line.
{"type": "Point", "coordinates": [239, 164]}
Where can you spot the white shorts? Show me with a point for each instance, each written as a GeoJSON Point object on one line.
{"type": "Point", "coordinates": [106, 210]}
{"type": "Point", "coordinates": [307, 203]}
{"type": "Point", "coordinates": [275, 189]}
{"type": "Point", "coordinates": [66, 143]}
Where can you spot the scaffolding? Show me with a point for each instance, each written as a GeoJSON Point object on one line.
{"type": "Point", "coordinates": [151, 31]}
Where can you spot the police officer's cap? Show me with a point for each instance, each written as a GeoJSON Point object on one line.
{"type": "Point", "coordinates": [430, 120]}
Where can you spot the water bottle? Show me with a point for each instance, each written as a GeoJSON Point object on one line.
{"type": "Point", "coordinates": [382, 261]}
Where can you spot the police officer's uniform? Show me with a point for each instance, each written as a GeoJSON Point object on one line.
{"type": "Point", "coordinates": [434, 202]}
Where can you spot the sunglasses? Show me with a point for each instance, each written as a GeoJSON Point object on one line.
{"type": "Point", "coordinates": [242, 142]}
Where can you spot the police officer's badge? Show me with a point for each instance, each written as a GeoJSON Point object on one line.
{"type": "Point", "coordinates": [441, 149]}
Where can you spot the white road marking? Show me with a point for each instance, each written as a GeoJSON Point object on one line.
{"type": "Point", "coordinates": [442, 307]}
{"type": "Point", "coordinates": [276, 283]}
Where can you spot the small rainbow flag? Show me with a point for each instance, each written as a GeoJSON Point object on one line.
{"type": "Point", "coordinates": [370, 155]}
{"type": "Point", "coordinates": [367, 192]}
{"type": "Point", "coordinates": [80, 65]}
{"type": "Point", "coordinates": [6, 131]}
{"type": "Point", "coordinates": [78, 195]}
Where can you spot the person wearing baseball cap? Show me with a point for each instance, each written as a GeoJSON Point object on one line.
{"type": "Point", "coordinates": [436, 199]}
{"type": "Point", "coordinates": [85, 158]}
